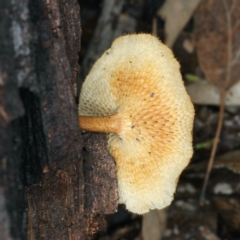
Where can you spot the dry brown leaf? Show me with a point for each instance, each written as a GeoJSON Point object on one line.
{"type": "Point", "coordinates": [217, 40]}
{"type": "Point", "coordinates": [217, 26]}
{"type": "Point", "coordinates": [229, 209]}
{"type": "Point", "coordinates": [230, 161]}
{"type": "Point", "coordinates": [176, 15]}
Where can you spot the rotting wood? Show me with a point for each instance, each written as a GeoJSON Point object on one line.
{"type": "Point", "coordinates": [41, 143]}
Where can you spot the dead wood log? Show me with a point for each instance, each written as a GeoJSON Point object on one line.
{"type": "Point", "coordinates": [43, 190]}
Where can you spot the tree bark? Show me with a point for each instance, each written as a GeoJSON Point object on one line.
{"type": "Point", "coordinates": [46, 190]}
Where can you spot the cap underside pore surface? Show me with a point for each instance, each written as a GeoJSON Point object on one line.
{"type": "Point", "coordinates": [139, 79]}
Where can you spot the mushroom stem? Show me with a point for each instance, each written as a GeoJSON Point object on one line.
{"type": "Point", "coordinates": [107, 124]}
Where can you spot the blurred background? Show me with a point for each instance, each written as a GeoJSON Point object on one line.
{"type": "Point", "coordinates": [205, 38]}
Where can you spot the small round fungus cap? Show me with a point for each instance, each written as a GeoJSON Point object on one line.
{"type": "Point", "coordinates": [137, 86]}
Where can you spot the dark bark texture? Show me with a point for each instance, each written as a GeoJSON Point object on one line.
{"type": "Point", "coordinates": [47, 191]}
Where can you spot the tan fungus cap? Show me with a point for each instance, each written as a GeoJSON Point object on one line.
{"type": "Point", "coordinates": [138, 81]}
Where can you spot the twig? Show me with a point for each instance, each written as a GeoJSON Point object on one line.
{"type": "Point", "coordinates": [229, 43]}
{"type": "Point", "coordinates": [215, 145]}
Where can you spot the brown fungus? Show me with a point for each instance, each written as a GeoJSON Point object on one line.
{"type": "Point", "coordinates": [119, 97]}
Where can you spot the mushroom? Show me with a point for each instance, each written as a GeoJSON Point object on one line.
{"type": "Point", "coordinates": [135, 93]}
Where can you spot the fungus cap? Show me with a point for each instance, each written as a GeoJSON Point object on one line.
{"type": "Point", "coordinates": [139, 80]}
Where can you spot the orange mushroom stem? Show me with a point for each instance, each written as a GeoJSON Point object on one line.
{"type": "Point", "coordinates": [108, 124]}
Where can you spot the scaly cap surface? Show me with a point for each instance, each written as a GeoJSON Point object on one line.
{"type": "Point", "coordinates": [139, 78]}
